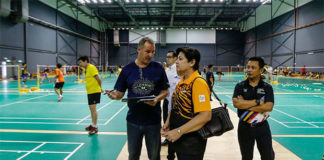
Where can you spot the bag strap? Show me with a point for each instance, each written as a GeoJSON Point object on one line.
{"type": "Point", "coordinates": [193, 107]}
{"type": "Point", "coordinates": [215, 95]}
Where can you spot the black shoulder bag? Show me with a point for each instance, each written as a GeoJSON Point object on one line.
{"type": "Point", "coordinates": [219, 123]}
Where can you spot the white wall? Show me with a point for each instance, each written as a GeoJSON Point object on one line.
{"type": "Point", "coordinates": [136, 35]}
{"type": "Point", "coordinates": [201, 36]}
{"type": "Point", "coordinates": [204, 36]}
{"type": "Point", "coordinates": [175, 36]}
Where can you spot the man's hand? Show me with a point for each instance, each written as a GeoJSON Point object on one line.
{"type": "Point", "coordinates": [262, 102]}
{"type": "Point", "coordinates": [111, 94]}
{"type": "Point", "coordinates": [152, 103]}
{"type": "Point", "coordinates": [238, 100]}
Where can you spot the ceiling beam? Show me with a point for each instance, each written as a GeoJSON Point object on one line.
{"type": "Point", "coordinates": [79, 9]}
{"type": "Point", "coordinates": [228, 4]}
{"type": "Point", "coordinates": [214, 17]}
{"type": "Point", "coordinates": [245, 16]}
{"type": "Point", "coordinates": [241, 5]}
{"type": "Point", "coordinates": [172, 12]}
{"type": "Point", "coordinates": [121, 4]}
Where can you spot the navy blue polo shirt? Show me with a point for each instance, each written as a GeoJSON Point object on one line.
{"type": "Point", "coordinates": [142, 82]}
{"type": "Point", "coordinates": [249, 93]}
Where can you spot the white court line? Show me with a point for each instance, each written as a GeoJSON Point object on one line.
{"type": "Point", "coordinates": [295, 117]}
{"type": "Point", "coordinates": [278, 122]}
{"type": "Point", "coordinates": [308, 136]}
{"type": "Point", "coordinates": [61, 132]}
{"type": "Point", "coordinates": [31, 151]}
{"type": "Point", "coordinates": [34, 94]}
{"type": "Point", "coordinates": [43, 118]}
{"type": "Point", "coordinates": [97, 111]}
{"type": "Point", "coordinates": [229, 97]}
{"type": "Point", "coordinates": [276, 93]}
{"type": "Point", "coordinates": [302, 122]}
{"type": "Point", "coordinates": [304, 127]}
{"type": "Point", "coordinates": [19, 151]}
{"type": "Point", "coordinates": [21, 101]}
{"type": "Point", "coordinates": [291, 105]}
{"type": "Point", "coordinates": [318, 96]}
{"type": "Point", "coordinates": [74, 151]}
{"type": "Point", "coordinates": [222, 87]}
{"type": "Point", "coordinates": [46, 123]}
{"type": "Point", "coordinates": [39, 142]}
{"type": "Point", "coordinates": [37, 123]}
{"type": "Point", "coordinates": [286, 90]}
{"type": "Point", "coordinates": [115, 115]}
{"type": "Point", "coordinates": [40, 102]}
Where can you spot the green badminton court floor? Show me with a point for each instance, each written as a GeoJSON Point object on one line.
{"type": "Point", "coordinates": [35, 126]}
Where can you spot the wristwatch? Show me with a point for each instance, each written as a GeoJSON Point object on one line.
{"type": "Point", "coordinates": [257, 101]}
{"type": "Point", "coordinates": [179, 130]}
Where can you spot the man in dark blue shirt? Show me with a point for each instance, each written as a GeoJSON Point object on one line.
{"type": "Point", "coordinates": [143, 77]}
{"type": "Point", "coordinates": [254, 100]}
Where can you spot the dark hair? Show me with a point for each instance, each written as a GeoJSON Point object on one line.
{"type": "Point", "coordinates": [190, 54]}
{"type": "Point", "coordinates": [23, 63]}
{"type": "Point", "coordinates": [259, 59]}
{"type": "Point", "coordinates": [84, 58]}
{"type": "Point", "coordinates": [174, 54]}
{"type": "Point", "coordinates": [58, 65]}
{"type": "Point", "coordinates": [143, 40]}
{"type": "Point", "coordinates": [210, 66]}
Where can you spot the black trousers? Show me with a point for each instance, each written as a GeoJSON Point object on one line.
{"type": "Point", "coordinates": [260, 134]}
{"type": "Point", "coordinates": [171, 152]}
{"type": "Point", "coordinates": [165, 110]}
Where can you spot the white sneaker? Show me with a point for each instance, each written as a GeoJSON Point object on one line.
{"type": "Point", "coordinates": [59, 100]}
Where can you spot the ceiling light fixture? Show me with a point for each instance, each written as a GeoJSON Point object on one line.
{"type": "Point", "coordinates": [266, 1]}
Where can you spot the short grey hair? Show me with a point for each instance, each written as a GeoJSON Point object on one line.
{"type": "Point", "coordinates": [143, 40]}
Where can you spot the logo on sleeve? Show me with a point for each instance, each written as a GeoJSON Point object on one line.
{"type": "Point", "coordinates": [202, 98]}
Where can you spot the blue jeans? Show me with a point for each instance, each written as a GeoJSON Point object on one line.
{"type": "Point", "coordinates": [135, 134]}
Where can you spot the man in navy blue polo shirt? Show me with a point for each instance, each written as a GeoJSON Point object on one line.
{"type": "Point", "coordinates": [143, 77]}
{"type": "Point", "coordinates": [254, 100]}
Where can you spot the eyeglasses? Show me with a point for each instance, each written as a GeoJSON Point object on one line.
{"type": "Point", "coordinates": [169, 56]}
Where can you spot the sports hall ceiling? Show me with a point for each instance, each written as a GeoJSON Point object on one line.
{"type": "Point", "coordinates": [146, 14]}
